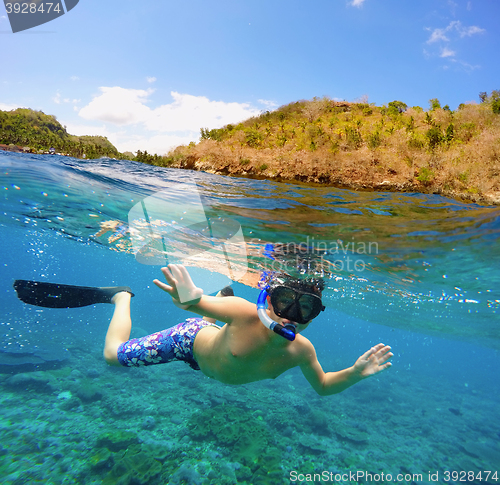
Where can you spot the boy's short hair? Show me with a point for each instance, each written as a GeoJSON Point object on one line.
{"type": "Point", "coordinates": [308, 284]}
{"type": "Point", "coordinates": [227, 291]}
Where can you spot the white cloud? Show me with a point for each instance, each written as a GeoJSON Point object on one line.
{"type": "Point", "coordinates": [126, 140]}
{"type": "Point", "coordinates": [191, 113]}
{"type": "Point", "coordinates": [267, 103]}
{"type": "Point", "coordinates": [118, 106]}
{"type": "Point", "coordinates": [131, 125]}
{"type": "Point", "coordinates": [150, 79]}
{"type": "Point", "coordinates": [454, 27]}
{"type": "Point", "coordinates": [74, 78]}
{"type": "Point", "coordinates": [469, 31]}
{"type": "Point", "coordinates": [357, 3]}
{"type": "Point", "coordinates": [8, 107]}
{"type": "Point", "coordinates": [80, 130]}
{"type": "Point", "coordinates": [445, 52]}
{"type": "Point", "coordinates": [123, 107]}
{"type": "Point", "coordinates": [437, 35]}
{"type": "Point", "coordinates": [453, 6]}
{"type": "Point", "coordinates": [159, 144]}
{"type": "Point", "coordinates": [444, 38]}
{"type": "Point", "coordinates": [57, 98]}
{"type": "Point", "coordinates": [466, 66]}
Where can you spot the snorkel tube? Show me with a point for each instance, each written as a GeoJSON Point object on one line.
{"type": "Point", "coordinates": [268, 322]}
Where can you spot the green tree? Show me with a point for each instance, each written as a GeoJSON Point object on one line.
{"type": "Point", "coordinates": [434, 104]}
{"type": "Point", "coordinates": [495, 101]}
{"type": "Point", "coordinates": [215, 134]}
{"type": "Point", "coordinates": [495, 106]}
{"type": "Point", "coordinates": [434, 137]}
{"type": "Point", "coordinates": [450, 133]}
{"type": "Point", "coordinates": [398, 106]}
{"type": "Point", "coordinates": [39, 131]}
{"type": "Point", "coordinates": [253, 138]}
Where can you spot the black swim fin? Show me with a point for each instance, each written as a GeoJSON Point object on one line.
{"type": "Point", "coordinates": [53, 295]}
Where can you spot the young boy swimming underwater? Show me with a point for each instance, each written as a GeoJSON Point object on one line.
{"type": "Point", "coordinates": [255, 344]}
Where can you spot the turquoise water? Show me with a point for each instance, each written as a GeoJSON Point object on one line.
{"type": "Point", "coordinates": [418, 272]}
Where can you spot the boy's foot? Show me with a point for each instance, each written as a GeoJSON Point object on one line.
{"type": "Point", "coordinates": [121, 294]}
{"type": "Point", "coordinates": [108, 293]}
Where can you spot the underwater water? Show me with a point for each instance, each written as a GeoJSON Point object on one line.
{"type": "Point", "coordinates": [418, 272]}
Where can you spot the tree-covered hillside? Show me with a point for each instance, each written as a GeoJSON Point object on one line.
{"type": "Point", "coordinates": [40, 132]}
{"type": "Point", "coordinates": [354, 145]}
{"type": "Point", "coordinates": [361, 146]}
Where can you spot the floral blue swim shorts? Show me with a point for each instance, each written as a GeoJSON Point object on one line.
{"type": "Point", "coordinates": [175, 343]}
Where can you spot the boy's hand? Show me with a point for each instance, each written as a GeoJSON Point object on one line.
{"type": "Point", "coordinates": [182, 288]}
{"type": "Point", "coordinates": [373, 361]}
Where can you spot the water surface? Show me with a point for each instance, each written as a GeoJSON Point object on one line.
{"type": "Point", "coordinates": [419, 272]}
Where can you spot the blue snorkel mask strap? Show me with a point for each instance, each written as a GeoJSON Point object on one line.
{"type": "Point", "coordinates": [266, 319]}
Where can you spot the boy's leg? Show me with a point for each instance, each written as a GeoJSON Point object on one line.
{"type": "Point", "coordinates": [119, 327]}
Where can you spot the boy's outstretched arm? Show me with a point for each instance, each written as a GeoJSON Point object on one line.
{"type": "Point", "coordinates": [187, 296]}
{"type": "Point", "coordinates": [370, 363]}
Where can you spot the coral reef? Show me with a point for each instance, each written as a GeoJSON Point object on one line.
{"type": "Point", "coordinates": [150, 427]}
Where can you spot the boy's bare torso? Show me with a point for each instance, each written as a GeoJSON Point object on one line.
{"type": "Point", "coordinates": [240, 352]}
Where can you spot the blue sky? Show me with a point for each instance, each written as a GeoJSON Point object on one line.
{"type": "Point", "coordinates": [149, 74]}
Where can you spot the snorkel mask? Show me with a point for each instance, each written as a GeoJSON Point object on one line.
{"type": "Point", "coordinates": [290, 299]}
